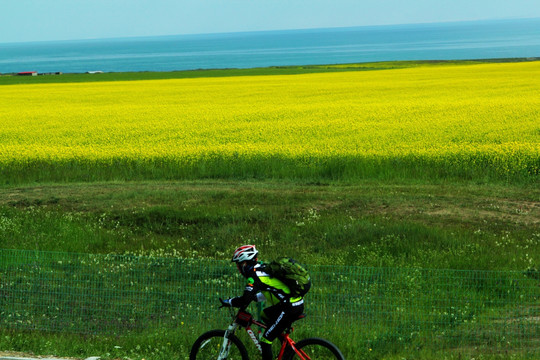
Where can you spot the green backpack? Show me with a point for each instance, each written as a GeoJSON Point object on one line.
{"type": "Point", "coordinates": [294, 275]}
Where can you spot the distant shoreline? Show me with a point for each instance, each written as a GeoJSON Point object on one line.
{"type": "Point", "coordinates": [97, 75]}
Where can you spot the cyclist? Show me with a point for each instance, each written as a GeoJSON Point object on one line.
{"type": "Point", "coordinates": [282, 310]}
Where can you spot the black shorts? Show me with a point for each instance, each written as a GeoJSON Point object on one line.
{"type": "Point", "coordinates": [279, 317]}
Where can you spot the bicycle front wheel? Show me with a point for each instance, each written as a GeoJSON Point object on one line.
{"type": "Point", "coordinates": [316, 349]}
{"type": "Point", "coordinates": [209, 346]}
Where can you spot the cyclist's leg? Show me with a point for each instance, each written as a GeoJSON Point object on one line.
{"type": "Point", "coordinates": [284, 314]}
{"type": "Point", "coordinates": [271, 313]}
{"type": "Point", "coordinates": [266, 348]}
{"type": "Point", "coordinates": [269, 316]}
{"type": "Point", "coordinates": [273, 317]}
{"type": "Point", "coordinates": [280, 317]}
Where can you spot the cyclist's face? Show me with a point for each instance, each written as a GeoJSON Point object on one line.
{"type": "Point", "coordinates": [240, 266]}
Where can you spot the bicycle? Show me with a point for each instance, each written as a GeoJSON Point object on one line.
{"type": "Point", "coordinates": [225, 345]}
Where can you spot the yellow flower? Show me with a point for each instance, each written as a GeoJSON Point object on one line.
{"type": "Point", "coordinates": [461, 115]}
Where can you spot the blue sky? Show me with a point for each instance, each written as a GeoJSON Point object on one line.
{"type": "Point", "coordinates": [41, 20]}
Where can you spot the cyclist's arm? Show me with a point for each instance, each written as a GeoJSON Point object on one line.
{"type": "Point", "coordinates": [250, 294]}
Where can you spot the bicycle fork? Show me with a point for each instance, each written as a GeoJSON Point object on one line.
{"type": "Point", "coordinates": [224, 351]}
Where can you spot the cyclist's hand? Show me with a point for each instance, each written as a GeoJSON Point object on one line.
{"type": "Point", "coordinates": [225, 303]}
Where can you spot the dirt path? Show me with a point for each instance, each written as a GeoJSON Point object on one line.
{"type": "Point", "coordinates": [5, 355]}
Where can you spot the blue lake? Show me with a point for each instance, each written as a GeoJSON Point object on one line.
{"type": "Point", "coordinates": [437, 41]}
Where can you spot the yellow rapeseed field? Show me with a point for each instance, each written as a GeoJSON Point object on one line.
{"type": "Point", "coordinates": [487, 113]}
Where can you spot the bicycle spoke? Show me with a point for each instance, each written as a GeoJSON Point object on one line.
{"type": "Point", "coordinates": [206, 342]}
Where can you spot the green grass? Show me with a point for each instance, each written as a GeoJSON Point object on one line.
{"type": "Point", "coordinates": [489, 169]}
{"type": "Point", "coordinates": [156, 345]}
{"type": "Point", "coordinates": [456, 225]}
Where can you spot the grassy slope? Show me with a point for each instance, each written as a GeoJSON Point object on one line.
{"type": "Point", "coordinates": [456, 225]}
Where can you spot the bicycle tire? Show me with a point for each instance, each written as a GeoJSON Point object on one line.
{"type": "Point", "coordinates": [316, 349]}
{"type": "Point", "coordinates": [208, 345]}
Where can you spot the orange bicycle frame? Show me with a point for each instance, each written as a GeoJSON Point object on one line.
{"type": "Point", "coordinates": [286, 339]}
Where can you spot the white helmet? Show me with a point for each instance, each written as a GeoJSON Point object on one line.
{"type": "Point", "coordinates": [245, 253]}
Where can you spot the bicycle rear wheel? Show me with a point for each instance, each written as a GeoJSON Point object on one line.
{"type": "Point", "coordinates": [208, 347]}
{"type": "Point", "coordinates": [316, 349]}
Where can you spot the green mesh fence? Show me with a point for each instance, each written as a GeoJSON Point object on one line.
{"type": "Point", "coordinates": [368, 307]}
